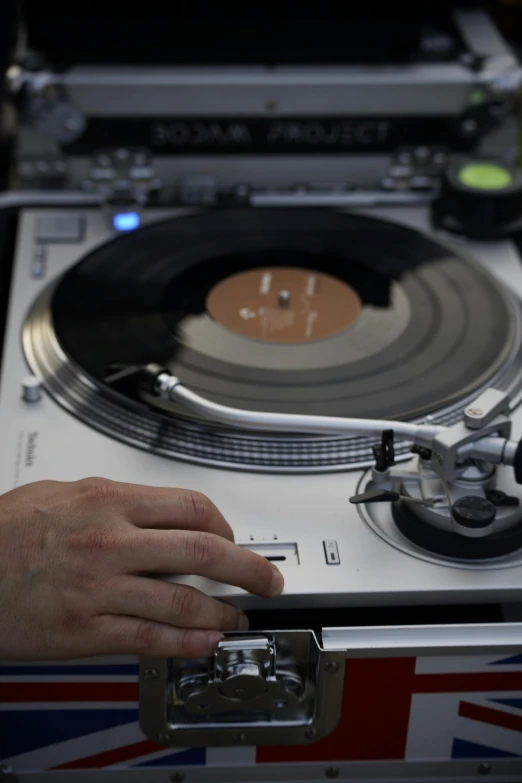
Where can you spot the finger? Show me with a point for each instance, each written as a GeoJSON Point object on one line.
{"type": "Point", "coordinates": [204, 554]}
{"type": "Point", "coordinates": [115, 635]}
{"type": "Point", "coordinates": [158, 507]}
{"type": "Point", "coordinates": [171, 604]}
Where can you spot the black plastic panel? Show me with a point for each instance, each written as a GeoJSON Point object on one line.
{"type": "Point", "coordinates": [113, 31]}
{"type": "Point", "coordinates": [346, 617]}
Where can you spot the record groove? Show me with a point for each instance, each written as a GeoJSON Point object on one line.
{"type": "Point", "coordinates": [431, 332]}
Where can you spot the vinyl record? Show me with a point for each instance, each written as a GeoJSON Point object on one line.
{"type": "Point", "coordinates": [284, 310]}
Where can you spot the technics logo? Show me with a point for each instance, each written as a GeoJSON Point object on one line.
{"type": "Point", "coordinates": [30, 451]}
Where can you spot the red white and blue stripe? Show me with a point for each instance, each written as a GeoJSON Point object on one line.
{"type": "Point", "coordinates": [77, 716]}
{"type": "Point", "coordinates": [84, 715]}
{"type": "Point", "coordinates": [423, 709]}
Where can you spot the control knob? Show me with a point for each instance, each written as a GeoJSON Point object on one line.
{"type": "Point", "coordinates": [31, 389]}
{"type": "Point", "coordinates": [479, 198]}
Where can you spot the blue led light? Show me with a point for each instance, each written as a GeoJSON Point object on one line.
{"type": "Point", "coordinates": [126, 221]}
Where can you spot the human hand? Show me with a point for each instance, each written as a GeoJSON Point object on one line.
{"type": "Point", "coordinates": [75, 566]}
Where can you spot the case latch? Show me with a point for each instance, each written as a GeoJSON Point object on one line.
{"type": "Point", "coordinates": [270, 688]}
{"type": "Point", "coordinates": [243, 676]}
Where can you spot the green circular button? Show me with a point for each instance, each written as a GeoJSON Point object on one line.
{"type": "Point", "coordinates": [485, 176]}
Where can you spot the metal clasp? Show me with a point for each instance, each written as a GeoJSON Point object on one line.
{"type": "Point", "coordinates": [243, 676]}
{"type": "Point", "coordinates": [275, 688]}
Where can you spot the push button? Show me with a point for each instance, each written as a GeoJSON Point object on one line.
{"type": "Point", "coordinates": [60, 227]}
{"type": "Point", "coordinates": [331, 552]}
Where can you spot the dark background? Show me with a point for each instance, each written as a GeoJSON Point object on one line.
{"type": "Point", "coordinates": [158, 31]}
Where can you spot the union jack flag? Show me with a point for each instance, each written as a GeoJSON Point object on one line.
{"type": "Point", "coordinates": [84, 715]}
{"type": "Point", "coordinates": [79, 715]}
{"type": "Point", "coordinates": [427, 708]}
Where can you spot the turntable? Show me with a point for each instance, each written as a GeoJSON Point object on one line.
{"type": "Point", "coordinates": [339, 367]}
{"type": "Point", "coordinates": [278, 343]}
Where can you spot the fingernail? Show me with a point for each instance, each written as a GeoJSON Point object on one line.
{"type": "Point", "coordinates": [243, 623]}
{"type": "Point", "coordinates": [213, 641]}
{"type": "Point", "coordinates": [278, 582]}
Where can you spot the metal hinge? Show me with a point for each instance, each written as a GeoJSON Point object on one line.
{"type": "Point", "coordinates": [502, 76]}
{"type": "Point", "coordinates": [276, 688]}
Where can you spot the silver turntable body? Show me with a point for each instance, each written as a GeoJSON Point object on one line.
{"type": "Point", "coordinates": [393, 652]}
{"type": "Point", "coordinates": [331, 553]}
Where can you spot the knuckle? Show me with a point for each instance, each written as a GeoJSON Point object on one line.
{"type": "Point", "coordinates": [97, 539]}
{"type": "Point", "coordinates": [87, 580]}
{"type": "Point", "coordinates": [146, 636]}
{"type": "Point", "coordinates": [98, 490]}
{"type": "Point", "coordinates": [185, 643]}
{"type": "Point", "coordinates": [71, 620]}
{"type": "Point", "coordinates": [227, 616]}
{"type": "Point", "coordinates": [262, 573]}
{"type": "Point", "coordinates": [184, 601]}
{"type": "Point", "coordinates": [201, 549]}
{"type": "Point", "coordinates": [196, 504]}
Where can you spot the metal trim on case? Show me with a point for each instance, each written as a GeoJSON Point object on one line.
{"type": "Point", "coordinates": [116, 91]}
{"type": "Point", "coordinates": [386, 641]}
{"type": "Point", "coordinates": [479, 34]}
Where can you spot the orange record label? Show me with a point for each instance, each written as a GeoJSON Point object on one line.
{"type": "Point", "coordinates": [284, 305]}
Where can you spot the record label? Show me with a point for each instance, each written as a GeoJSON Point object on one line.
{"type": "Point", "coordinates": [284, 305]}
